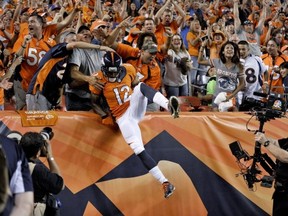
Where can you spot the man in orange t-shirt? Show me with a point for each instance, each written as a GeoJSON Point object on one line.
{"type": "Point", "coordinates": [273, 59]}
{"type": "Point", "coordinates": [167, 21]}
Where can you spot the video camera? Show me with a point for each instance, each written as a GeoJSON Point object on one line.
{"type": "Point", "coordinates": [271, 106]}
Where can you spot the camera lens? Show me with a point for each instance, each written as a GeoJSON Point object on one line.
{"type": "Point", "coordinates": [47, 133]}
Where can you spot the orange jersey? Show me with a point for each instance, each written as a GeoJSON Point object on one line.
{"type": "Point", "coordinates": [150, 74]}
{"type": "Point", "coordinates": [24, 30]}
{"type": "Point", "coordinates": [117, 94]}
{"type": "Point", "coordinates": [161, 34]}
{"type": "Point", "coordinates": [277, 79]}
{"type": "Point", "coordinates": [132, 38]}
{"type": "Point", "coordinates": [214, 50]}
{"type": "Point", "coordinates": [193, 50]}
{"type": "Point", "coordinates": [33, 53]}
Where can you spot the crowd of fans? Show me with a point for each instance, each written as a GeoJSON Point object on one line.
{"type": "Point", "coordinates": [44, 51]}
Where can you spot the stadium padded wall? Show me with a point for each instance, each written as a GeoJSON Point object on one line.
{"type": "Point", "coordinates": [104, 177]}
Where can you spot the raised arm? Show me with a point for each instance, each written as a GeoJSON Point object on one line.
{"type": "Point", "coordinates": [84, 45]}
{"type": "Point", "coordinates": [165, 47]}
{"type": "Point", "coordinates": [160, 12]}
{"type": "Point", "coordinates": [181, 16]}
{"type": "Point", "coordinates": [263, 16]}
{"type": "Point", "coordinates": [98, 9]}
{"type": "Point", "coordinates": [111, 39]}
{"type": "Point", "coordinates": [201, 59]}
{"type": "Point", "coordinates": [237, 22]}
{"type": "Point", "coordinates": [69, 18]}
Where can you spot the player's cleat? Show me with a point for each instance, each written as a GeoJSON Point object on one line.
{"type": "Point", "coordinates": [168, 189]}
{"type": "Point", "coordinates": [174, 106]}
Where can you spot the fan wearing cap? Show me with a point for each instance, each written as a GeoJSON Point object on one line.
{"type": "Point", "coordinates": [247, 32]}
{"type": "Point", "coordinates": [145, 63]}
{"type": "Point", "coordinates": [100, 30]}
{"type": "Point", "coordinates": [127, 100]}
{"type": "Point", "coordinates": [81, 64]}
{"type": "Point", "coordinates": [214, 44]}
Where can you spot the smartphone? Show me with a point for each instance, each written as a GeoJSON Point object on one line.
{"type": "Point", "coordinates": [204, 38]}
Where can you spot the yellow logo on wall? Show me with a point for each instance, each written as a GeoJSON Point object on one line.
{"type": "Point", "coordinates": [38, 118]}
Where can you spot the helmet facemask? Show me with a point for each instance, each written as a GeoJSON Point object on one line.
{"type": "Point", "coordinates": [111, 66]}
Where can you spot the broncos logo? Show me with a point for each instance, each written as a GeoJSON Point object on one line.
{"type": "Point", "coordinates": [226, 83]}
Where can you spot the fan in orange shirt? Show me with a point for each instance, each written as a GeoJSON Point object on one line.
{"type": "Point", "coordinates": [164, 19]}
{"type": "Point", "coordinates": [273, 60]}
{"type": "Point", "coordinates": [33, 47]}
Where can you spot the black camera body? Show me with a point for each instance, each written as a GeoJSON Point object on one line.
{"type": "Point", "coordinates": [272, 107]}
{"type": "Point", "coordinates": [47, 134]}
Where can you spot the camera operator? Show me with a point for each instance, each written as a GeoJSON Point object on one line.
{"type": "Point", "coordinates": [278, 148]}
{"type": "Point", "coordinates": [45, 180]}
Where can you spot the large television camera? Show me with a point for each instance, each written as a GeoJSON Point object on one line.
{"type": "Point", "coordinates": [270, 106]}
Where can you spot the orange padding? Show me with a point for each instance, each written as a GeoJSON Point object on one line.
{"type": "Point", "coordinates": [87, 151]}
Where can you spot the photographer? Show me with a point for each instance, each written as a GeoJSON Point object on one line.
{"type": "Point", "coordinates": [19, 201]}
{"type": "Point", "coordinates": [45, 181]}
{"type": "Point", "coordinates": [278, 148]}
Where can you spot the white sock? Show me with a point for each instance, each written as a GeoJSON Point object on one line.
{"type": "Point", "coordinates": [156, 172]}
{"type": "Point", "coordinates": [161, 100]}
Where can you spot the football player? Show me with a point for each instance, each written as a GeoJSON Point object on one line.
{"type": "Point", "coordinates": [127, 99]}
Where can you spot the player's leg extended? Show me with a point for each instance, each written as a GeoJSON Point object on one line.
{"type": "Point", "coordinates": [171, 105]}
{"type": "Point", "coordinates": [132, 135]}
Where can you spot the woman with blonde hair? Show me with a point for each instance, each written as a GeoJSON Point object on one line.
{"type": "Point", "coordinates": [177, 65]}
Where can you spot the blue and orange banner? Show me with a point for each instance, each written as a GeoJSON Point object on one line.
{"type": "Point", "coordinates": [104, 177]}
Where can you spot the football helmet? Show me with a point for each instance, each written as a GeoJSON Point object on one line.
{"type": "Point", "coordinates": [111, 66]}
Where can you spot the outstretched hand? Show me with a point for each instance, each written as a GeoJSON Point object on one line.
{"type": "Point", "coordinates": [95, 82]}
{"type": "Point", "coordinates": [5, 84]}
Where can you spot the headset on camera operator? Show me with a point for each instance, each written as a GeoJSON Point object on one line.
{"type": "Point", "coordinates": [45, 180]}
{"type": "Point", "coordinates": [278, 148]}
